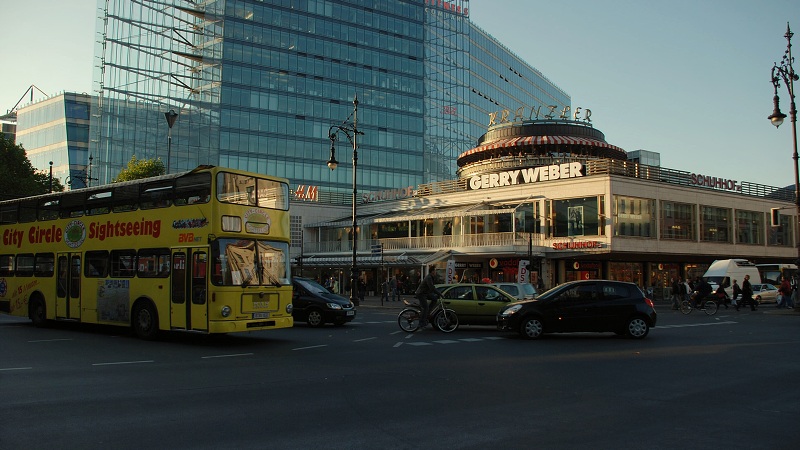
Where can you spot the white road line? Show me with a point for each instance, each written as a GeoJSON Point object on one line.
{"type": "Point", "coordinates": [494, 338]}
{"type": "Point", "coordinates": [419, 343]}
{"type": "Point", "coordinates": [307, 348]}
{"type": "Point", "coordinates": [398, 344]}
{"type": "Point", "coordinates": [471, 340]}
{"type": "Point", "coordinates": [226, 356]}
{"type": "Point", "coordinates": [446, 342]}
{"type": "Point", "coordinates": [8, 369]}
{"type": "Point", "coordinates": [48, 340]}
{"type": "Point", "coordinates": [122, 362]}
{"type": "Point", "coordinates": [365, 339]}
{"type": "Point", "coordinates": [686, 325]}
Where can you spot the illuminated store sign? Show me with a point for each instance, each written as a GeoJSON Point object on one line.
{"type": "Point", "coordinates": [450, 6]}
{"type": "Point", "coordinates": [525, 176]}
{"type": "Point", "coordinates": [576, 245]}
{"type": "Point", "coordinates": [303, 192]}
{"type": "Point", "coordinates": [389, 194]}
{"type": "Point", "coordinates": [536, 112]}
{"type": "Point", "coordinates": [716, 183]}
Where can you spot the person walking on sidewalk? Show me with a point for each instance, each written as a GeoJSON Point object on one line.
{"type": "Point", "coordinates": [676, 293]}
{"type": "Point", "coordinates": [747, 294]}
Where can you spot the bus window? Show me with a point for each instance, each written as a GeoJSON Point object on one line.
{"type": "Point", "coordinates": [8, 213]}
{"type": "Point", "coordinates": [48, 209]}
{"type": "Point", "coordinates": [6, 265]}
{"type": "Point", "coordinates": [75, 277]}
{"type": "Point", "coordinates": [98, 203]}
{"type": "Point", "coordinates": [125, 198]}
{"type": "Point", "coordinates": [43, 264]}
{"type": "Point", "coordinates": [27, 211]}
{"type": "Point", "coordinates": [71, 205]}
{"type": "Point", "coordinates": [24, 265]}
{"type": "Point", "coordinates": [96, 264]}
{"type": "Point", "coordinates": [157, 194]}
{"type": "Point", "coordinates": [193, 188]}
{"type": "Point", "coordinates": [153, 263]}
{"type": "Point", "coordinates": [123, 263]}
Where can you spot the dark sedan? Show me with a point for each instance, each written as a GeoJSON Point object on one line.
{"type": "Point", "coordinates": [587, 305]}
{"type": "Point", "coordinates": [315, 305]}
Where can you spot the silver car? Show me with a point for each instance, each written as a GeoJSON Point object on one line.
{"type": "Point", "coordinates": [765, 293]}
{"type": "Point", "coordinates": [520, 291]}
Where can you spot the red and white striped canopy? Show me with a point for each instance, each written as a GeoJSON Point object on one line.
{"type": "Point", "coordinates": [539, 140]}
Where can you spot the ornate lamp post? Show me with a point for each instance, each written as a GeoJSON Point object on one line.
{"type": "Point", "coordinates": [171, 116]}
{"type": "Point", "coordinates": [352, 135]}
{"type": "Point", "coordinates": [785, 72]}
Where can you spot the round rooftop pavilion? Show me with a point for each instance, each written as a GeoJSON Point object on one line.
{"type": "Point", "coordinates": [539, 139]}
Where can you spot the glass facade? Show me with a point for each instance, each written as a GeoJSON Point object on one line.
{"type": "Point", "coordinates": [749, 227]}
{"type": "Point", "coordinates": [57, 130]}
{"type": "Point", "coordinates": [634, 216]}
{"type": "Point", "coordinates": [257, 85]}
{"type": "Point", "coordinates": [678, 220]}
{"type": "Point", "coordinates": [715, 224]}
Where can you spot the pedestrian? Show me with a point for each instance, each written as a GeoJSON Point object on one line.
{"type": "Point", "coordinates": [687, 290]}
{"type": "Point", "coordinates": [362, 289]}
{"type": "Point", "coordinates": [793, 295]}
{"type": "Point", "coordinates": [676, 288]}
{"type": "Point", "coordinates": [385, 291]}
{"type": "Point", "coordinates": [784, 293]}
{"type": "Point", "coordinates": [747, 294]}
{"type": "Point", "coordinates": [393, 287]}
{"type": "Point", "coordinates": [737, 292]}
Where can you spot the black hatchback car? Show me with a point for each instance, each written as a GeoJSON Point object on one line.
{"type": "Point", "coordinates": [315, 305]}
{"type": "Point", "coordinates": [586, 305]}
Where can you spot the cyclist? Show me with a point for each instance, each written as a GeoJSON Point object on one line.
{"type": "Point", "coordinates": [426, 291]}
{"type": "Point", "coordinates": [702, 290]}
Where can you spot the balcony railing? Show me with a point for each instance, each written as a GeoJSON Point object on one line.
{"type": "Point", "coordinates": [506, 239]}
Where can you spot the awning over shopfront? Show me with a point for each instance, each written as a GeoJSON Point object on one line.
{"type": "Point", "coordinates": [365, 262]}
{"type": "Point", "coordinates": [539, 140]}
{"type": "Point", "coordinates": [431, 212]}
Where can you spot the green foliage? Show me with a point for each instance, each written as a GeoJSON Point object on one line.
{"type": "Point", "coordinates": [141, 168]}
{"type": "Point", "coordinates": [18, 178]}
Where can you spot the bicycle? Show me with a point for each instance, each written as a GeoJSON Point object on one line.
{"type": "Point", "coordinates": [708, 306]}
{"type": "Point", "coordinates": [444, 319]}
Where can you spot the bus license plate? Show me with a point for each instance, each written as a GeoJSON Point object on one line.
{"type": "Point", "coordinates": [351, 313]}
{"type": "Point", "coordinates": [261, 315]}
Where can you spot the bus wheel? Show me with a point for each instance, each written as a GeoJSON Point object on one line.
{"type": "Point", "coordinates": [145, 321]}
{"type": "Point", "coordinates": [37, 312]}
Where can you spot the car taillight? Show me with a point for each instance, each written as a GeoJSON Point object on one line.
{"type": "Point", "coordinates": [649, 302]}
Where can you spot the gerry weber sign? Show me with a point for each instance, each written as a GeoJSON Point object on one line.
{"type": "Point", "coordinates": [528, 175]}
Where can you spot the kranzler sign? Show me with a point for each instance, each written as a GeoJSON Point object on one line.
{"type": "Point", "coordinates": [526, 176]}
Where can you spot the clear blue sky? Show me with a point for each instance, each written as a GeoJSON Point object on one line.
{"type": "Point", "coordinates": [689, 79]}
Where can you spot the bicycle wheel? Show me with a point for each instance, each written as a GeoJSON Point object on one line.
{"type": "Point", "coordinates": [686, 307]}
{"type": "Point", "coordinates": [408, 320]}
{"type": "Point", "coordinates": [710, 307]}
{"type": "Point", "coordinates": [446, 321]}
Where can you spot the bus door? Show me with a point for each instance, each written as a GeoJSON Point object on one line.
{"type": "Point", "coordinates": [68, 286]}
{"type": "Point", "coordinates": [189, 302]}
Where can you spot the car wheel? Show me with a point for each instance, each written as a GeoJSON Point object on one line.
{"type": "Point", "coordinates": [314, 318]}
{"type": "Point", "coordinates": [637, 328]}
{"type": "Point", "coordinates": [532, 328]}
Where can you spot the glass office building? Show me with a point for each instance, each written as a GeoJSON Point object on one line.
{"type": "Point", "coordinates": [257, 84]}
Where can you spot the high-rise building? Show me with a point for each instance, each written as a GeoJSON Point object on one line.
{"type": "Point", "coordinates": [257, 84]}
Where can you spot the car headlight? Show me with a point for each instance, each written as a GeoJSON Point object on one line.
{"type": "Point", "coordinates": [511, 310]}
{"type": "Point", "coordinates": [226, 311]}
{"type": "Point", "coordinates": [334, 306]}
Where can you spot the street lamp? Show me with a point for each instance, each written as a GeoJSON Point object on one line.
{"type": "Point", "coordinates": [51, 177]}
{"type": "Point", "coordinates": [171, 116]}
{"type": "Point", "coordinates": [352, 136]}
{"type": "Point", "coordinates": [784, 71]}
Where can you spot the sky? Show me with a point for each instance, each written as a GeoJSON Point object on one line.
{"type": "Point", "coordinates": [689, 79]}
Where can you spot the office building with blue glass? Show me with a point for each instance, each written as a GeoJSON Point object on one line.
{"type": "Point", "coordinates": [258, 84]}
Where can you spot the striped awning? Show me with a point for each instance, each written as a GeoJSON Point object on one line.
{"type": "Point", "coordinates": [540, 140]}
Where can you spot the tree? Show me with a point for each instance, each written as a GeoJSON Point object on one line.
{"type": "Point", "coordinates": [141, 168]}
{"type": "Point", "coordinates": [18, 178]}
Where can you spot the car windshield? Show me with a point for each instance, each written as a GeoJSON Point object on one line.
{"type": "Point", "coordinates": [312, 286]}
{"type": "Point", "coordinates": [527, 289]}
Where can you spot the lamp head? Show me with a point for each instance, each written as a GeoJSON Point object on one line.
{"type": "Point", "coordinates": [777, 116]}
{"type": "Point", "coordinates": [332, 163]}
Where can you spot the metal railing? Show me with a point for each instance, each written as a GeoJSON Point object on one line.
{"type": "Point", "coordinates": [508, 239]}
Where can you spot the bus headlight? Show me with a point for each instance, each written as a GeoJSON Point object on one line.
{"type": "Point", "coordinates": [226, 311]}
{"type": "Point", "coordinates": [289, 308]}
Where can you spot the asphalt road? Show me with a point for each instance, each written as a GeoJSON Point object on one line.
{"type": "Point", "coordinates": [727, 381]}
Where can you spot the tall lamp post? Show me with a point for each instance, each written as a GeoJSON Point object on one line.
{"type": "Point", "coordinates": [351, 132]}
{"type": "Point", "coordinates": [171, 116]}
{"type": "Point", "coordinates": [785, 72]}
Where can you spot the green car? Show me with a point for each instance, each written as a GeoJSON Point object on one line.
{"type": "Point", "coordinates": [474, 304]}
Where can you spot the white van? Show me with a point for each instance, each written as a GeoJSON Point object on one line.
{"type": "Point", "coordinates": [729, 270]}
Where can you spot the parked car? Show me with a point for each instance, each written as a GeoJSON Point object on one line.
{"type": "Point", "coordinates": [474, 304]}
{"type": "Point", "coordinates": [765, 293]}
{"type": "Point", "coordinates": [315, 305]}
{"type": "Point", "coordinates": [586, 305]}
{"type": "Point", "coordinates": [520, 291]}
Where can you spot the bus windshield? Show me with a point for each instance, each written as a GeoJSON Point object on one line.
{"type": "Point", "coordinates": [250, 262]}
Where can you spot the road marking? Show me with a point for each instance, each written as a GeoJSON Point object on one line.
{"type": "Point", "coordinates": [419, 343]}
{"type": "Point", "coordinates": [226, 356]}
{"type": "Point", "coordinates": [122, 362]}
{"type": "Point", "coordinates": [448, 341]}
{"type": "Point", "coordinates": [686, 325]}
{"type": "Point", "coordinates": [48, 340]}
{"type": "Point", "coordinates": [365, 339]}
{"type": "Point", "coordinates": [471, 340]}
{"type": "Point", "coordinates": [8, 369]}
{"type": "Point", "coordinates": [308, 348]}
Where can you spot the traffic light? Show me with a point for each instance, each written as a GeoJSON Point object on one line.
{"type": "Point", "coordinates": [775, 217]}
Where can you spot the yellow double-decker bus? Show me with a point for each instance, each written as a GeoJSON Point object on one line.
{"type": "Point", "coordinates": [204, 251]}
